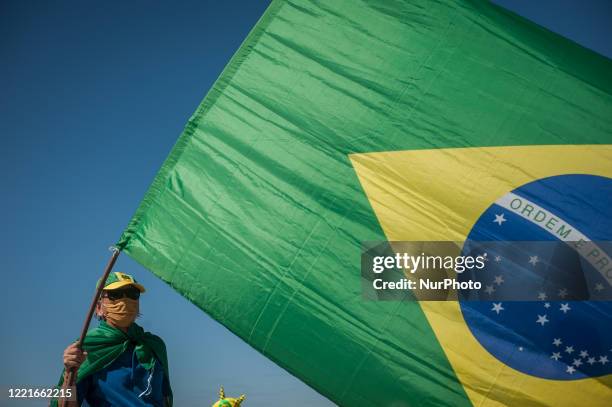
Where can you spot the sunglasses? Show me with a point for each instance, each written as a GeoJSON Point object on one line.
{"type": "Point", "coordinates": [132, 293]}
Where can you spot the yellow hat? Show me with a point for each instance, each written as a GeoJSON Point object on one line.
{"type": "Point", "coordinates": [118, 280]}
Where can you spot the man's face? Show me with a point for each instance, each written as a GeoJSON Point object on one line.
{"type": "Point", "coordinates": [119, 307]}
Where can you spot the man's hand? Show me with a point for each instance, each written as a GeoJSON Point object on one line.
{"type": "Point", "coordinates": [73, 357]}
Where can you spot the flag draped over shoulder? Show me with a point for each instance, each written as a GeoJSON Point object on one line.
{"type": "Point", "coordinates": [341, 122]}
{"type": "Point", "coordinates": [105, 343]}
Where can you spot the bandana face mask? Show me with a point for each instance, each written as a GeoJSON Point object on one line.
{"type": "Point", "coordinates": [121, 312]}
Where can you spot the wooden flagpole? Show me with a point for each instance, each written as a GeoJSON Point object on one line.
{"type": "Point", "coordinates": [70, 380]}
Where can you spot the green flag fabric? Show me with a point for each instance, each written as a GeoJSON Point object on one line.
{"type": "Point", "coordinates": [308, 144]}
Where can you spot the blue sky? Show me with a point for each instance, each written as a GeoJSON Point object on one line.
{"type": "Point", "coordinates": [93, 96]}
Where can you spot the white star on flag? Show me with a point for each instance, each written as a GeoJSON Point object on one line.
{"type": "Point", "coordinates": [542, 296]}
{"type": "Point", "coordinates": [563, 292]}
{"type": "Point", "coordinates": [565, 307]}
{"type": "Point", "coordinates": [599, 286]}
{"type": "Point", "coordinates": [542, 319]}
{"type": "Point", "coordinates": [547, 305]}
{"type": "Point", "coordinates": [498, 280]}
{"type": "Point", "coordinates": [489, 289]}
{"type": "Point", "coordinates": [569, 349]}
{"type": "Point", "coordinates": [577, 362]}
{"type": "Point", "coordinates": [498, 259]}
{"type": "Point", "coordinates": [497, 307]}
{"type": "Point", "coordinates": [499, 219]}
{"type": "Point", "coordinates": [570, 369]}
{"type": "Point", "coordinates": [556, 355]}
{"type": "Point", "coordinates": [584, 354]}
{"type": "Point", "coordinates": [591, 361]}
{"type": "Point", "coordinates": [557, 342]}
{"type": "Point", "coordinates": [603, 360]}
{"type": "Point", "coordinates": [533, 260]}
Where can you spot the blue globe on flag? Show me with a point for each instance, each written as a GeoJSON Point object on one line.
{"type": "Point", "coordinates": [554, 254]}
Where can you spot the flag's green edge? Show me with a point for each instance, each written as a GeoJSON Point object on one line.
{"type": "Point", "coordinates": [209, 100]}
{"type": "Point", "coordinates": [552, 35]}
{"type": "Point", "coordinates": [157, 186]}
{"type": "Point", "coordinates": [583, 70]}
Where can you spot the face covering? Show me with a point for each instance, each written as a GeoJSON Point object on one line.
{"type": "Point", "coordinates": [121, 312]}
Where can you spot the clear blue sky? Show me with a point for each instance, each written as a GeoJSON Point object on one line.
{"type": "Point", "coordinates": [93, 94]}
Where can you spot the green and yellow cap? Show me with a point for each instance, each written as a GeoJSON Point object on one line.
{"type": "Point", "coordinates": [118, 280]}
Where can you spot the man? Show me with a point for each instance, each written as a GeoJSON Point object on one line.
{"type": "Point", "coordinates": [120, 364]}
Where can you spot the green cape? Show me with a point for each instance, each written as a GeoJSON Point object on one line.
{"type": "Point", "coordinates": [105, 343]}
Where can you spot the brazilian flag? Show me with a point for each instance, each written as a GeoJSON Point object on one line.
{"type": "Point", "coordinates": [345, 121]}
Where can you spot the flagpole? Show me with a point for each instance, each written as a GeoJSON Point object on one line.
{"type": "Point", "coordinates": [70, 379]}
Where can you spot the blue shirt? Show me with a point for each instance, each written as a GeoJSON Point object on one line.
{"type": "Point", "coordinates": [124, 383]}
